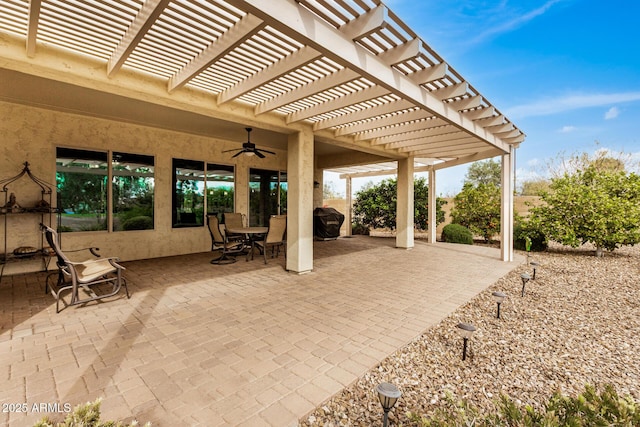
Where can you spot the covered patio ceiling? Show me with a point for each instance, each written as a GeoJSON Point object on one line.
{"type": "Point", "coordinates": [350, 69]}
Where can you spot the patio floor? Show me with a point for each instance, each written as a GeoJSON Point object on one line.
{"type": "Point", "coordinates": [245, 344]}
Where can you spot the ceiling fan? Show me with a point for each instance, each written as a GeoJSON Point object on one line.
{"type": "Point", "coordinates": [249, 148]}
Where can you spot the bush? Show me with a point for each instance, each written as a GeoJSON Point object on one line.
{"type": "Point", "coordinates": [478, 208]}
{"type": "Point", "coordinates": [87, 415]}
{"type": "Point", "coordinates": [358, 228]}
{"type": "Point", "coordinates": [138, 223]}
{"type": "Point", "coordinates": [590, 408]}
{"type": "Point", "coordinates": [376, 205]}
{"type": "Point", "coordinates": [456, 233]}
{"type": "Point", "coordinates": [592, 206]}
{"type": "Point", "coordinates": [529, 229]}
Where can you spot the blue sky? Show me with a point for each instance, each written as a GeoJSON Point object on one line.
{"type": "Point", "coordinates": [566, 72]}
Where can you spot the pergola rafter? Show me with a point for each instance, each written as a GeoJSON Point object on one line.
{"type": "Point", "coordinates": [350, 67]}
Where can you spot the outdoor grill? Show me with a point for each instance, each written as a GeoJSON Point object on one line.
{"type": "Point", "coordinates": [327, 223]}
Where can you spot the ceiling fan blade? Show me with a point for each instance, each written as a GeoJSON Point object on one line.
{"type": "Point", "coordinates": [249, 148]}
{"type": "Point", "coordinates": [228, 151]}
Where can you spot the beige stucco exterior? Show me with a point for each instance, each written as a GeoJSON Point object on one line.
{"type": "Point", "coordinates": [32, 134]}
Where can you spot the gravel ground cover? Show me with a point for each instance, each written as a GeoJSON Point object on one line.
{"type": "Point", "coordinates": [578, 323]}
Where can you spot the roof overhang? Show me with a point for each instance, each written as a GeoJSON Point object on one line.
{"type": "Point", "coordinates": [350, 70]}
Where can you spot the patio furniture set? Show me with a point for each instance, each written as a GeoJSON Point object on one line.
{"type": "Point", "coordinates": [234, 238]}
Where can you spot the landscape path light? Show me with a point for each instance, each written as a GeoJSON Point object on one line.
{"type": "Point", "coordinates": [534, 265]}
{"type": "Point", "coordinates": [499, 299]}
{"type": "Point", "coordinates": [525, 278]}
{"type": "Point", "coordinates": [388, 395]}
{"type": "Point", "coordinates": [465, 330]}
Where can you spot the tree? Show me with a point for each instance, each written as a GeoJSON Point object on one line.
{"type": "Point", "coordinates": [595, 206]}
{"type": "Point", "coordinates": [534, 187]}
{"type": "Point", "coordinates": [329, 191]}
{"type": "Point", "coordinates": [602, 160]}
{"type": "Point", "coordinates": [477, 207]}
{"type": "Point", "coordinates": [375, 205]}
{"type": "Point", "coordinates": [485, 172]}
{"type": "Point", "coordinates": [81, 192]}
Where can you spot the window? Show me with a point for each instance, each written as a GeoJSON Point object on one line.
{"type": "Point", "coordinates": [133, 182]}
{"type": "Point", "coordinates": [188, 194]}
{"type": "Point", "coordinates": [81, 184]}
{"type": "Point", "coordinates": [191, 182]}
{"type": "Point", "coordinates": [220, 189]}
{"type": "Point", "coordinates": [82, 190]}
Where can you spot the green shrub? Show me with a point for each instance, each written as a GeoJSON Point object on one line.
{"type": "Point", "coordinates": [87, 415]}
{"type": "Point", "coordinates": [529, 229]}
{"type": "Point", "coordinates": [358, 228]}
{"type": "Point", "coordinates": [456, 233]}
{"type": "Point", "coordinates": [589, 408]}
{"type": "Point", "coordinates": [138, 223]}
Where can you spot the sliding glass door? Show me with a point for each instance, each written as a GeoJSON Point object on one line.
{"type": "Point", "coordinates": [267, 195]}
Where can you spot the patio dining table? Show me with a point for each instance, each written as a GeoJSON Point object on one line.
{"type": "Point", "coordinates": [251, 234]}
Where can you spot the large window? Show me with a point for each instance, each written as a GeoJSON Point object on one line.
{"type": "Point", "coordinates": [190, 184]}
{"type": "Point", "coordinates": [133, 180]}
{"type": "Point", "coordinates": [82, 190]}
{"type": "Point", "coordinates": [220, 189]}
{"type": "Point", "coordinates": [188, 194]}
{"type": "Point", "coordinates": [81, 183]}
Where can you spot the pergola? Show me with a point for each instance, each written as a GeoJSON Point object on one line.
{"type": "Point", "coordinates": [337, 84]}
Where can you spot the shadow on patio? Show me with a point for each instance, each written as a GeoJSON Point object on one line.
{"type": "Point", "coordinates": [241, 344]}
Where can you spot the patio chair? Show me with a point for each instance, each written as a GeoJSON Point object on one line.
{"type": "Point", "coordinates": [234, 220]}
{"type": "Point", "coordinates": [219, 241]}
{"type": "Point", "coordinates": [274, 239]}
{"type": "Point", "coordinates": [89, 280]}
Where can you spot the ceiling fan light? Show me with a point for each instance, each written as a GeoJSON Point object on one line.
{"type": "Point", "coordinates": [249, 148]}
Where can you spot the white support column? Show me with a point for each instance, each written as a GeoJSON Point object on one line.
{"type": "Point", "coordinates": [348, 215]}
{"type": "Point", "coordinates": [300, 167]}
{"type": "Point", "coordinates": [433, 224]}
{"type": "Point", "coordinates": [506, 212]}
{"type": "Point", "coordinates": [405, 209]}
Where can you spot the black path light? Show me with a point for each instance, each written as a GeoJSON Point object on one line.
{"type": "Point", "coordinates": [525, 278]}
{"type": "Point", "coordinates": [388, 395]}
{"type": "Point", "coordinates": [499, 299]}
{"type": "Point", "coordinates": [534, 265]}
{"type": "Point", "coordinates": [465, 330]}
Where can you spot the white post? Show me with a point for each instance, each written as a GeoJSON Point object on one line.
{"type": "Point", "coordinates": [431, 228]}
{"type": "Point", "coordinates": [405, 207]}
{"type": "Point", "coordinates": [506, 211]}
{"type": "Point", "coordinates": [300, 167]}
{"type": "Point", "coordinates": [348, 215]}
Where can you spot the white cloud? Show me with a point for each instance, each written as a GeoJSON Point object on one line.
{"type": "Point", "coordinates": [514, 23]}
{"type": "Point", "coordinates": [567, 129]}
{"type": "Point", "coordinates": [548, 106]}
{"type": "Point", "coordinates": [612, 113]}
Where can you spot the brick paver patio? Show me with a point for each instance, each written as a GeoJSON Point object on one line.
{"type": "Point", "coordinates": [245, 344]}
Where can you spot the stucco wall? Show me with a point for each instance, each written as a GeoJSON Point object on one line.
{"type": "Point", "coordinates": [32, 134]}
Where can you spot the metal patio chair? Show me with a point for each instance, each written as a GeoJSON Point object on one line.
{"type": "Point", "coordinates": [234, 220]}
{"type": "Point", "coordinates": [93, 279]}
{"type": "Point", "coordinates": [220, 241]}
{"type": "Point", "coordinates": [274, 239]}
